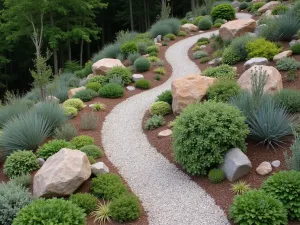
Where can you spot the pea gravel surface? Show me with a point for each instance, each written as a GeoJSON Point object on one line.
{"type": "Point", "coordinates": [168, 195]}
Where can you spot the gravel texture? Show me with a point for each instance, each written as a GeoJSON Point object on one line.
{"type": "Point", "coordinates": [168, 195]}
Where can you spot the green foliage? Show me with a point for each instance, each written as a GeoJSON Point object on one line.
{"type": "Point", "coordinates": [143, 84]}
{"type": "Point", "coordinates": [216, 176]}
{"type": "Point", "coordinates": [260, 47]}
{"type": "Point", "coordinates": [13, 198]}
{"type": "Point", "coordinates": [223, 71]}
{"type": "Point", "coordinates": [71, 66]}
{"type": "Point", "coordinates": [22, 180]}
{"type": "Point", "coordinates": [142, 64]}
{"type": "Point", "coordinates": [51, 147]}
{"type": "Point", "coordinates": [133, 56]}
{"type": "Point", "coordinates": [50, 211]}
{"type": "Point", "coordinates": [205, 24]}
{"type": "Point", "coordinates": [152, 48]}
{"type": "Point", "coordinates": [85, 95]}
{"type": "Point", "coordinates": [165, 96]}
{"type": "Point", "coordinates": [163, 27]}
{"type": "Point", "coordinates": [204, 60]}
{"type": "Point", "coordinates": [85, 201]}
{"type": "Point", "coordinates": [120, 72]}
{"type": "Point", "coordinates": [160, 108]}
{"type": "Point", "coordinates": [181, 34]}
{"type": "Point", "coordinates": [196, 146]}
{"type": "Point", "coordinates": [202, 41]}
{"type": "Point", "coordinates": [238, 46]}
{"type": "Point", "coordinates": [129, 47]}
{"type": "Point", "coordinates": [240, 187]}
{"type": "Point", "coordinates": [153, 58]}
{"type": "Point", "coordinates": [223, 11]}
{"type": "Point", "coordinates": [65, 132]}
{"type": "Point", "coordinates": [102, 213]}
{"type": "Point", "coordinates": [223, 90]}
{"type": "Point", "coordinates": [160, 70]}
{"type": "Point", "coordinates": [89, 121]}
{"type": "Point", "coordinates": [76, 103]}
{"type": "Point", "coordinates": [93, 86]}
{"type": "Point", "coordinates": [125, 209]}
{"type": "Point", "coordinates": [109, 51]}
{"type": "Point", "coordinates": [197, 20]}
{"type": "Point", "coordinates": [82, 140]}
{"type": "Point", "coordinates": [296, 48]}
{"type": "Point", "coordinates": [108, 186]}
{"type": "Point", "coordinates": [154, 122]}
{"type": "Point", "coordinates": [292, 75]}
{"type": "Point", "coordinates": [258, 208]}
{"type": "Point", "coordinates": [280, 9]}
{"type": "Point", "coordinates": [70, 111]}
{"type": "Point", "coordinates": [256, 6]}
{"type": "Point", "coordinates": [294, 160]}
{"type": "Point", "coordinates": [153, 54]}
{"type": "Point", "coordinates": [92, 150]}
{"type": "Point", "coordinates": [217, 25]}
{"type": "Point", "coordinates": [111, 91]}
{"type": "Point", "coordinates": [85, 71]}
{"type": "Point", "coordinates": [200, 54]}
{"type": "Point", "coordinates": [99, 106]}
{"type": "Point", "coordinates": [20, 162]}
{"type": "Point", "coordinates": [229, 57]}
{"type": "Point", "coordinates": [243, 5]}
{"type": "Point", "coordinates": [290, 99]}
{"type": "Point", "coordinates": [285, 186]}
{"type": "Point", "coordinates": [170, 36]}
{"type": "Point", "coordinates": [287, 63]}
{"type": "Point", "coordinates": [102, 80]}
{"type": "Point", "coordinates": [73, 82]}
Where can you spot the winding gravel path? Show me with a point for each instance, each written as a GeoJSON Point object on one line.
{"type": "Point", "coordinates": [169, 196]}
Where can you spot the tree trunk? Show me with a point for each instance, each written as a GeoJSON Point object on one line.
{"type": "Point", "coordinates": [55, 58]}
{"type": "Point", "coordinates": [131, 15]}
{"type": "Point", "coordinates": [145, 13]}
{"type": "Point", "coordinates": [69, 45]}
{"type": "Point", "coordinates": [81, 52]}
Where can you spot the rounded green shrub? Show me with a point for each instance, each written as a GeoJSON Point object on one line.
{"type": "Point", "coordinates": [258, 208]}
{"type": "Point", "coordinates": [256, 6]}
{"type": "Point", "coordinates": [287, 63]}
{"type": "Point", "coordinates": [22, 180]}
{"type": "Point", "coordinates": [129, 47]}
{"type": "Point", "coordinates": [204, 60]}
{"type": "Point", "coordinates": [125, 209]}
{"type": "Point", "coordinates": [280, 9]}
{"type": "Point", "coordinates": [108, 186]}
{"type": "Point", "coordinates": [224, 71]}
{"type": "Point", "coordinates": [223, 11]}
{"type": "Point", "coordinates": [85, 201]}
{"type": "Point", "coordinates": [111, 91]}
{"type": "Point", "coordinates": [243, 5]}
{"type": "Point", "coordinates": [99, 79]}
{"type": "Point", "coordinates": [160, 108]}
{"type": "Point", "coordinates": [70, 111]}
{"type": "Point", "coordinates": [205, 24]}
{"type": "Point", "coordinates": [91, 160]}
{"type": "Point", "coordinates": [163, 27]}
{"type": "Point", "coordinates": [216, 176]}
{"type": "Point", "coordinates": [223, 90]}
{"type": "Point", "coordinates": [165, 96]}
{"type": "Point", "coordinates": [296, 48]}
{"type": "Point", "coordinates": [13, 198]}
{"type": "Point", "coordinates": [290, 99]}
{"type": "Point", "coordinates": [181, 34]}
{"type": "Point", "coordinates": [154, 122]}
{"type": "Point", "coordinates": [219, 21]}
{"type": "Point", "coordinates": [74, 102]}
{"type": "Point", "coordinates": [82, 140]}
{"type": "Point", "coordinates": [218, 25]}
{"type": "Point", "coordinates": [120, 72]}
{"type": "Point", "coordinates": [260, 47]}
{"type": "Point", "coordinates": [20, 162]}
{"type": "Point", "coordinates": [133, 56]}
{"type": "Point", "coordinates": [85, 95]}
{"type": "Point", "coordinates": [200, 54]}
{"type": "Point", "coordinates": [95, 86]}
{"type": "Point", "coordinates": [229, 57]}
{"type": "Point", "coordinates": [92, 150]}
{"type": "Point", "coordinates": [170, 36]}
{"type": "Point", "coordinates": [51, 148]}
{"type": "Point", "coordinates": [198, 147]}
{"type": "Point", "coordinates": [143, 84]}
{"type": "Point", "coordinates": [142, 64]}
{"type": "Point", "coordinates": [50, 211]}
{"type": "Point", "coordinates": [285, 186]}
{"type": "Point", "coordinates": [152, 48]}
{"type": "Point", "coordinates": [197, 20]}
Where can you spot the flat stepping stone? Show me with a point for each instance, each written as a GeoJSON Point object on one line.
{"type": "Point", "coordinates": [130, 88]}
{"type": "Point", "coordinates": [137, 77]}
{"type": "Point", "coordinates": [165, 133]}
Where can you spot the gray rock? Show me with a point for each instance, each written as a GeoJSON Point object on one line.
{"type": "Point", "coordinates": [258, 28]}
{"type": "Point", "coordinates": [202, 46]}
{"type": "Point", "coordinates": [293, 42]}
{"type": "Point", "coordinates": [236, 164]}
{"type": "Point", "coordinates": [235, 4]}
{"type": "Point", "coordinates": [215, 61]}
{"type": "Point", "coordinates": [130, 88]}
{"type": "Point", "coordinates": [158, 38]}
{"type": "Point", "coordinates": [255, 61]}
{"type": "Point", "coordinates": [276, 163]}
{"type": "Point", "coordinates": [40, 161]}
{"type": "Point", "coordinates": [99, 168]}
{"type": "Point", "coordinates": [51, 98]}
{"type": "Point", "coordinates": [137, 77]}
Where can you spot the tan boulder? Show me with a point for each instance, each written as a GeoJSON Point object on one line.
{"type": "Point", "coordinates": [281, 55]}
{"type": "Point", "coordinates": [264, 168]}
{"type": "Point", "coordinates": [73, 91]}
{"type": "Point", "coordinates": [102, 66]}
{"type": "Point", "coordinates": [188, 90]}
{"type": "Point", "coordinates": [274, 79]}
{"type": "Point", "coordinates": [237, 28]}
{"type": "Point", "coordinates": [190, 27]}
{"type": "Point", "coordinates": [268, 6]}
{"type": "Point", "coordinates": [62, 174]}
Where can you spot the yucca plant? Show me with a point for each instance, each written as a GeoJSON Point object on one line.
{"type": "Point", "coordinates": [102, 213]}
{"type": "Point", "coordinates": [240, 187]}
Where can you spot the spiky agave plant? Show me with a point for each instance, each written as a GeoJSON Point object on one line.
{"type": "Point", "coordinates": [102, 213]}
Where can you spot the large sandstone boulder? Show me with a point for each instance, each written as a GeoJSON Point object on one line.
{"type": "Point", "coordinates": [274, 79]}
{"type": "Point", "coordinates": [190, 27]}
{"type": "Point", "coordinates": [237, 28]}
{"type": "Point", "coordinates": [104, 65]}
{"type": "Point", "coordinates": [73, 91]}
{"type": "Point", "coordinates": [236, 164]}
{"type": "Point", "coordinates": [268, 6]}
{"type": "Point", "coordinates": [188, 90]}
{"type": "Point", "coordinates": [62, 174]}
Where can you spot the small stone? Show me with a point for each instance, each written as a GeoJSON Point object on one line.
{"type": "Point", "coordinates": [293, 42]}
{"type": "Point", "coordinates": [215, 61]}
{"type": "Point", "coordinates": [282, 55]}
{"type": "Point", "coordinates": [158, 38]}
{"type": "Point", "coordinates": [158, 44]}
{"type": "Point", "coordinates": [202, 46]}
{"type": "Point", "coordinates": [130, 88]}
{"type": "Point", "coordinates": [137, 77]}
{"type": "Point", "coordinates": [201, 31]}
{"type": "Point", "coordinates": [99, 168]}
{"type": "Point", "coordinates": [276, 163]}
{"type": "Point", "coordinates": [165, 133]}
{"type": "Point", "coordinates": [91, 106]}
{"type": "Point", "coordinates": [155, 41]}
{"type": "Point", "coordinates": [146, 56]}
{"type": "Point", "coordinates": [264, 168]}
{"type": "Point", "coordinates": [40, 161]}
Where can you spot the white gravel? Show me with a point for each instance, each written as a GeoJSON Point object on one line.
{"type": "Point", "coordinates": [168, 195]}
